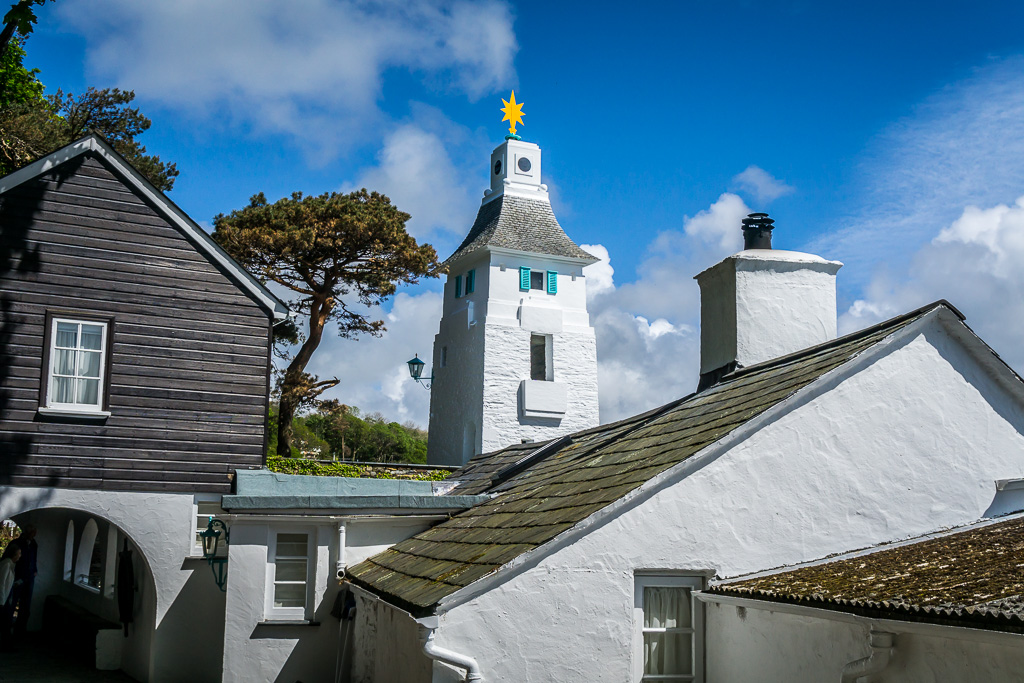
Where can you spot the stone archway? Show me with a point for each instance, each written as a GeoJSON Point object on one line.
{"type": "Point", "coordinates": [178, 637]}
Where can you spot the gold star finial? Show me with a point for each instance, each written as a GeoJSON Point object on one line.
{"type": "Point", "coordinates": [513, 113]}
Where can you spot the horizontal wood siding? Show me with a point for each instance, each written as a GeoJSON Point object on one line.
{"type": "Point", "coordinates": [188, 367]}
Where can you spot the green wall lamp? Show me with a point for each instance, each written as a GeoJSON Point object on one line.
{"type": "Point", "coordinates": [216, 528]}
{"type": "Point", "coordinates": [416, 372]}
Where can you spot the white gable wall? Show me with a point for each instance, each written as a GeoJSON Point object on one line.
{"type": "Point", "coordinates": [911, 443]}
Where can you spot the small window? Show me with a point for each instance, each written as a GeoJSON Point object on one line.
{"type": "Point", "coordinates": [669, 629]}
{"type": "Point", "coordinates": [77, 365]}
{"type": "Point", "coordinates": [289, 575]}
{"type": "Point", "coordinates": [540, 357]}
{"type": "Point", "coordinates": [458, 286]}
{"type": "Point", "coordinates": [471, 282]}
{"type": "Point", "coordinates": [537, 279]}
{"type": "Point", "coordinates": [89, 563]}
{"type": "Point", "coordinates": [444, 356]}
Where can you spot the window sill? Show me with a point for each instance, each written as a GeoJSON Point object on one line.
{"type": "Point", "coordinates": [78, 414]}
{"type": "Point", "coordinates": [288, 622]}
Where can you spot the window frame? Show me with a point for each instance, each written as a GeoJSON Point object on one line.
{"type": "Point", "coordinates": [47, 407]}
{"type": "Point", "coordinates": [695, 582]}
{"type": "Point", "coordinates": [290, 613]}
{"type": "Point", "coordinates": [471, 281]}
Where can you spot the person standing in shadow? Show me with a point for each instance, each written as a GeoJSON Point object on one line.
{"type": "Point", "coordinates": [25, 578]}
{"type": "Point", "coordinates": [8, 561]}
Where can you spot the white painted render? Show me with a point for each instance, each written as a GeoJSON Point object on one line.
{"type": "Point", "coordinates": [907, 438]}
{"type": "Point", "coordinates": [476, 397]}
{"type": "Point", "coordinates": [760, 304]}
{"type": "Point", "coordinates": [771, 644]}
{"type": "Point", "coordinates": [178, 630]}
{"type": "Point", "coordinates": [257, 651]}
{"type": "Point", "coordinates": [510, 174]}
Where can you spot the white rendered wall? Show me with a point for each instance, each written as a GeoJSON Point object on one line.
{"type": "Point", "coordinates": [487, 335]}
{"type": "Point", "coordinates": [911, 443]}
{"type": "Point", "coordinates": [746, 645]}
{"type": "Point", "coordinates": [255, 651]}
{"type": "Point", "coordinates": [167, 641]}
{"type": "Point", "coordinates": [760, 304]}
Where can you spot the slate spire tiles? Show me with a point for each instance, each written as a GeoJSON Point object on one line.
{"type": "Point", "coordinates": [522, 224]}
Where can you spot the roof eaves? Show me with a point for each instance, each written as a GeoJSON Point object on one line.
{"type": "Point", "coordinates": [95, 143]}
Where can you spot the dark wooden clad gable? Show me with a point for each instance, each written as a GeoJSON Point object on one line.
{"type": "Point", "coordinates": [189, 361]}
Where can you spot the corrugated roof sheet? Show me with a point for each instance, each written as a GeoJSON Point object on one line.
{"type": "Point", "coordinates": [599, 467]}
{"type": "Point", "coordinates": [972, 578]}
{"type": "Point", "coordinates": [521, 224]}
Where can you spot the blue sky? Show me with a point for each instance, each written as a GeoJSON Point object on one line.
{"type": "Point", "coordinates": [889, 136]}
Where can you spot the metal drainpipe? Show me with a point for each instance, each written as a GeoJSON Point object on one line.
{"type": "Point", "coordinates": [881, 652]}
{"type": "Point", "coordinates": [448, 656]}
{"type": "Point", "coordinates": [340, 565]}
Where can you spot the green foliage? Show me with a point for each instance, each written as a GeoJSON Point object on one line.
{"type": "Point", "coordinates": [340, 469]}
{"type": "Point", "coordinates": [338, 432]}
{"type": "Point", "coordinates": [21, 18]}
{"type": "Point", "coordinates": [35, 128]}
{"type": "Point", "coordinates": [18, 85]}
{"type": "Point", "coordinates": [338, 255]}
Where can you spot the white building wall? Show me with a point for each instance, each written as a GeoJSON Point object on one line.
{"type": "Point", "coordinates": [911, 443]}
{"type": "Point", "coordinates": [174, 634]}
{"type": "Point", "coordinates": [746, 645]}
{"type": "Point", "coordinates": [476, 397]}
{"type": "Point", "coordinates": [256, 651]}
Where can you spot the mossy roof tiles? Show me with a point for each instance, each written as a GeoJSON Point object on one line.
{"type": "Point", "coordinates": [521, 224]}
{"type": "Point", "coordinates": [598, 467]}
{"type": "Point", "coordinates": [968, 578]}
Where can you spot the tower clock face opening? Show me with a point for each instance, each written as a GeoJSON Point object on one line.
{"type": "Point", "coordinates": [497, 167]}
{"type": "Point", "coordinates": [524, 164]}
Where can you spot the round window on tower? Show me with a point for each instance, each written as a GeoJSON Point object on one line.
{"type": "Point", "coordinates": [497, 167]}
{"type": "Point", "coordinates": [524, 164]}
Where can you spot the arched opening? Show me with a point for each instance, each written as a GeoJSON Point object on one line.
{"type": "Point", "coordinates": [89, 565]}
{"type": "Point", "coordinates": [69, 551]}
{"type": "Point", "coordinates": [75, 615]}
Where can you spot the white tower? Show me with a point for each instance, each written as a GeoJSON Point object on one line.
{"type": "Point", "coordinates": [515, 358]}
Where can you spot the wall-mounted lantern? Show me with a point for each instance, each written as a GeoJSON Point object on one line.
{"type": "Point", "coordinates": [416, 372]}
{"type": "Point", "coordinates": [216, 528]}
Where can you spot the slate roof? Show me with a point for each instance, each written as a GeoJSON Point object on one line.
{"type": "Point", "coordinates": [597, 468]}
{"type": "Point", "coordinates": [522, 224]}
{"type": "Point", "coordinates": [969, 578]}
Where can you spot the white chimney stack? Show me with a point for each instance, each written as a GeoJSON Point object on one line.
{"type": "Point", "coordinates": [763, 303]}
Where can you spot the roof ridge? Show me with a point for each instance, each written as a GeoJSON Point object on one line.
{"type": "Point", "coordinates": [852, 336]}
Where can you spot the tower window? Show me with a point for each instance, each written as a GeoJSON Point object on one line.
{"type": "Point", "coordinates": [458, 286]}
{"type": "Point", "coordinates": [471, 282]}
{"type": "Point", "coordinates": [536, 279]}
{"type": "Point", "coordinates": [540, 357]}
{"type": "Point", "coordinates": [444, 356]}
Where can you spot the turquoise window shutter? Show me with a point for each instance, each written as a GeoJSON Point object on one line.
{"type": "Point", "coordinates": [552, 282]}
{"type": "Point", "coordinates": [458, 286]}
{"type": "Point", "coordinates": [524, 278]}
{"type": "Point", "coordinates": [470, 282]}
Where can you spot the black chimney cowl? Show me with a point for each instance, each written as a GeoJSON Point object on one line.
{"type": "Point", "coordinates": [757, 231]}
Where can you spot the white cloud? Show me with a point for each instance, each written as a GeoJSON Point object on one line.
{"type": "Point", "coordinates": [977, 263]}
{"type": "Point", "coordinates": [373, 372]}
{"type": "Point", "coordinates": [416, 170]}
{"type": "Point", "coordinates": [963, 146]}
{"type": "Point", "coordinates": [647, 342]}
{"type": "Point", "coordinates": [312, 69]}
{"type": "Point", "coordinates": [721, 223]}
{"type": "Point", "coordinates": [761, 184]}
